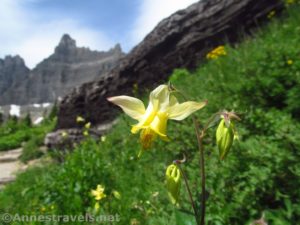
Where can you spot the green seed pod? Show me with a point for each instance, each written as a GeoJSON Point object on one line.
{"type": "Point", "coordinates": [173, 182]}
{"type": "Point", "coordinates": [224, 136]}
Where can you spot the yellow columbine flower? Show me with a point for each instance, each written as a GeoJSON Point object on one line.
{"type": "Point", "coordinates": [98, 193]}
{"type": "Point", "coordinates": [289, 62]}
{"type": "Point", "coordinates": [153, 120]}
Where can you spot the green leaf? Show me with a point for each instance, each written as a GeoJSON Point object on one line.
{"type": "Point", "coordinates": [184, 218]}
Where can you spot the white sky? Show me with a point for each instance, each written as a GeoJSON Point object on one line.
{"type": "Point", "coordinates": [151, 12]}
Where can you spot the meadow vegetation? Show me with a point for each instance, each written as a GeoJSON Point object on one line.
{"type": "Point", "coordinates": [16, 133]}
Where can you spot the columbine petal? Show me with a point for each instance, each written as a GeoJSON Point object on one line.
{"type": "Point", "coordinates": [183, 110]}
{"type": "Point", "coordinates": [173, 101]}
{"type": "Point", "coordinates": [159, 97]}
{"type": "Point", "coordinates": [146, 119]}
{"type": "Point", "coordinates": [146, 137]}
{"type": "Point", "coordinates": [159, 125]}
{"type": "Point", "coordinates": [133, 107]}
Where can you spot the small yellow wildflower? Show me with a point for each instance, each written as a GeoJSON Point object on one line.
{"type": "Point", "coordinates": [87, 125]}
{"type": "Point", "coordinates": [134, 221]}
{"type": "Point", "coordinates": [289, 62]}
{"type": "Point", "coordinates": [98, 193]}
{"type": "Point", "coordinates": [43, 209]}
{"type": "Point", "coordinates": [86, 133]}
{"type": "Point", "coordinates": [79, 119]}
{"type": "Point", "coordinates": [290, 2]}
{"type": "Point", "coordinates": [103, 138]}
{"type": "Point", "coordinates": [64, 134]}
{"type": "Point", "coordinates": [152, 121]}
{"type": "Point", "coordinates": [271, 14]}
{"type": "Point", "coordinates": [216, 53]}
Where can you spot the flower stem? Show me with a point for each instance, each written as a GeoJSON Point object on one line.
{"type": "Point", "coordinates": [202, 168]}
{"type": "Point", "coordinates": [201, 160]}
{"type": "Point", "coordinates": [190, 193]}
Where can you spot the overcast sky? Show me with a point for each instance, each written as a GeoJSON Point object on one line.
{"type": "Point", "coordinates": [32, 28]}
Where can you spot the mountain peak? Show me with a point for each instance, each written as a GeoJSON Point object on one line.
{"type": "Point", "coordinates": [117, 48]}
{"type": "Point", "coordinates": [67, 41]}
{"type": "Point", "coordinates": [13, 60]}
{"type": "Point", "coordinates": [66, 44]}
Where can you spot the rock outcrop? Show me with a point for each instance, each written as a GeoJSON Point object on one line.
{"type": "Point", "coordinates": [181, 40]}
{"type": "Point", "coordinates": [68, 67]}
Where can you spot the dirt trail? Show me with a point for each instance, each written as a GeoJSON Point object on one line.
{"type": "Point", "coordinates": [9, 165]}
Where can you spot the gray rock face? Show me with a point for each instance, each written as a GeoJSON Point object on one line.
{"type": "Point", "coordinates": [55, 76]}
{"type": "Point", "coordinates": [13, 72]}
{"type": "Point", "coordinates": [181, 40]}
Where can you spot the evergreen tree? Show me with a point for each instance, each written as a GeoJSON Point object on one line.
{"type": "Point", "coordinates": [53, 112]}
{"type": "Point", "coordinates": [27, 120]}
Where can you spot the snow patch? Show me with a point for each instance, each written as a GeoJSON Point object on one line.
{"type": "Point", "coordinates": [14, 110]}
{"type": "Point", "coordinates": [44, 105]}
{"type": "Point", "coordinates": [38, 120]}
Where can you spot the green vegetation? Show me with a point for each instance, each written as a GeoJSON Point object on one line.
{"type": "Point", "coordinates": [13, 132]}
{"type": "Point", "coordinates": [31, 149]}
{"type": "Point", "coordinates": [260, 79]}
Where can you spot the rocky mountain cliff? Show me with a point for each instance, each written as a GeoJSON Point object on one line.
{"type": "Point", "coordinates": [68, 67]}
{"type": "Point", "coordinates": [13, 72]}
{"type": "Point", "coordinates": [181, 40]}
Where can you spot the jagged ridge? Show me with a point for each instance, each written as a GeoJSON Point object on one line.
{"type": "Point", "coordinates": [68, 67]}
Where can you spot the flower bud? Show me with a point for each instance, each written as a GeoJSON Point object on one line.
{"type": "Point", "coordinates": [225, 136]}
{"type": "Point", "coordinates": [116, 194]}
{"type": "Point", "coordinates": [173, 182]}
{"type": "Point", "coordinates": [97, 206]}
